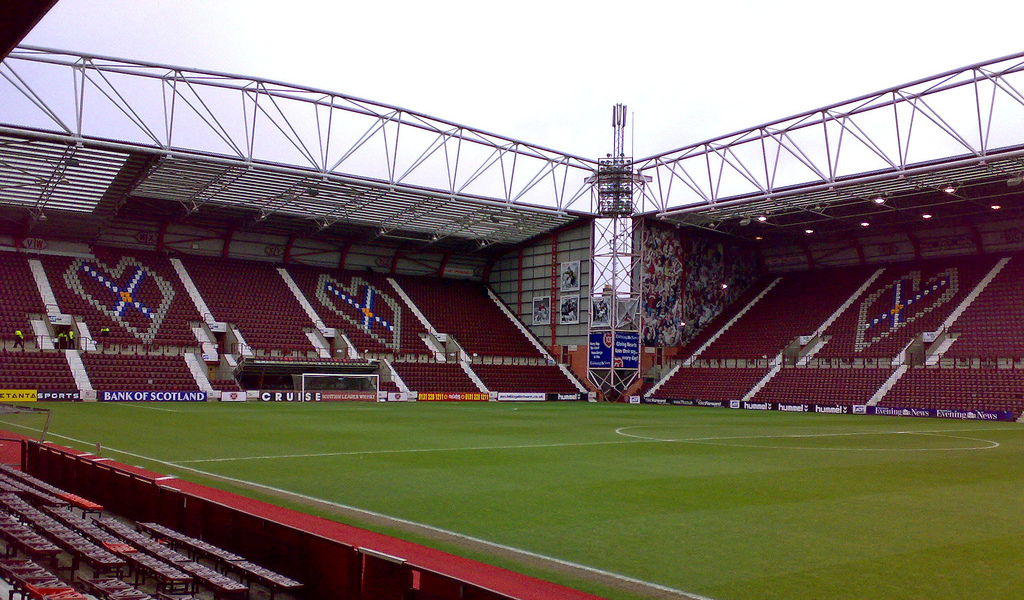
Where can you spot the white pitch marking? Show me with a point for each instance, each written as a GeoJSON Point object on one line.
{"type": "Point", "coordinates": [415, 450]}
{"type": "Point", "coordinates": [142, 406]}
{"type": "Point", "coordinates": [936, 432]}
{"type": "Point", "coordinates": [601, 572]}
{"type": "Point", "coordinates": [620, 431]}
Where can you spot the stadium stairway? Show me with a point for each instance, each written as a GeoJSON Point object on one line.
{"type": "Point", "coordinates": [733, 320]}
{"type": "Point", "coordinates": [519, 324]}
{"type": "Point", "coordinates": [193, 292]}
{"type": "Point", "coordinates": [317, 336]}
{"type": "Point", "coordinates": [818, 342]}
{"type": "Point", "coordinates": [435, 335]}
{"type": "Point", "coordinates": [43, 284]}
{"type": "Point", "coordinates": [78, 371]}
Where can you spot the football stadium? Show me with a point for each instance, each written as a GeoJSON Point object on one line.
{"type": "Point", "coordinates": [265, 340]}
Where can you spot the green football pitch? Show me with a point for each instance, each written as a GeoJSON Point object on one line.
{"type": "Point", "coordinates": [726, 504]}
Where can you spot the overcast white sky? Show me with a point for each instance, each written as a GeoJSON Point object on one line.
{"type": "Point", "coordinates": [549, 71]}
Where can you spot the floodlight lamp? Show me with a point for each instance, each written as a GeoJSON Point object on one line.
{"type": "Point", "coordinates": [808, 231]}
{"type": "Point", "coordinates": [926, 216]}
{"type": "Point", "coordinates": [762, 218]}
{"type": "Point", "coordinates": [879, 200]}
{"type": "Point", "coordinates": [949, 189]}
{"type": "Point", "coordinates": [864, 224]}
{"type": "Point", "coordinates": [995, 207]}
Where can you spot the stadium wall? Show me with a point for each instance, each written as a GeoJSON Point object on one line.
{"type": "Point", "coordinates": [382, 256]}
{"type": "Point", "coordinates": [535, 271]}
{"type": "Point", "coordinates": [331, 559]}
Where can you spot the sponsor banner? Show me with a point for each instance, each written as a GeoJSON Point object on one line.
{"type": "Point", "coordinates": [233, 396]}
{"type": "Point", "coordinates": [18, 395]}
{"type": "Point", "coordinates": [566, 397]}
{"type": "Point", "coordinates": [685, 402]}
{"type": "Point", "coordinates": [279, 396]}
{"type": "Point", "coordinates": [942, 413]}
{"type": "Point", "coordinates": [59, 395]}
{"type": "Point", "coordinates": [792, 407]}
{"type": "Point", "coordinates": [521, 397]}
{"type": "Point", "coordinates": [347, 396]}
{"type": "Point", "coordinates": [452, 397]}
{"type": "Point", "coordinates": [627, 350]}
{"type": "Point", "coordinates": [319, 396]}
{"type": "Point", "coordinates": [398, 397]}
{"type": "Point", "coordinates": [151, 396]}
{"type": "Point", "coordinates": [860, 409]}
{"type": "Point", "coordinates": [734, 404]}
{"type": "Point", "coordinates": [839, 409]}
{"type": "Point", "coordinates": [801, 408]}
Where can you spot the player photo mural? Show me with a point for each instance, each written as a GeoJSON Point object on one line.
{"type": "Point", "coordinates": [600, 312]}
{"type": "Point", "coordinates": [569, 310]}
{"type": "Point", "coordinates": [542, 310]}
{"type": "Point", "coordinates": [569, 276]}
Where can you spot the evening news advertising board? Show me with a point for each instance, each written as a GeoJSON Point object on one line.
{"type": "Point", "coordinates": [627, 350]}
{"type": "Point", "coordinates": [842, 409]}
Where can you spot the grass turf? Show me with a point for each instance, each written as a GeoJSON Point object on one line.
{"type": "Point", "coordinates": [732, 505]}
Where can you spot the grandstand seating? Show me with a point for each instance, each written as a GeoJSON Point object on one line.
{"type": "Point", "coordinates": [711, 383]}
{"type": "Point", "coordinates": [340, 297]}
{"type": "Point", "coordinates": [47, 370]}
{"type": "Point", "coordinates": [435, 377]}
{"type": "Point", "coordinates": [464, 310]}
{"type": "Point", "coordinates": [715, 323]}
{"type": "Point", "coordinates": [110, 372]}
{"type": "Point", "coordinates": [161, 562]}
{"type": "Point", "coordinates": [993, 325]}
{"type": "Point", "coordinates": [980, 389]}
{"type": "Point", "coordinates": [20, 296]}
{"type": "Point", "coordinates": [797, 305]}
{"type": "Point", "coordinates": [524, 378]}
{"type": "Point", "coordinates": [907, 300]}
{"type": "Point", "coordinates": [822, 386]}
{"type": "Point", "coordinates": [253, 296]}
{"type": "Point", "coordinates": [225, 385]}
{"type": "Point", "coordinates": [137, 295]}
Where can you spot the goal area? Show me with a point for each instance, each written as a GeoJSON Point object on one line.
{"type": "Point", "coordinates": [338, 386]}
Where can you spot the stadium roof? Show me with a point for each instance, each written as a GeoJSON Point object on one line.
{"type": "Point", "coordinates": [86, 138]}
{"type": "Point", "coordinates": [948, 146]}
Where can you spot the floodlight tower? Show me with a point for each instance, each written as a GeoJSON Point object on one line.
{"type": "Point", "coordinates": [614, 355]}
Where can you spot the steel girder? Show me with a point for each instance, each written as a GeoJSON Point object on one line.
{"type": "Point", "coordinates": [308, 139]}
{"type": "Point", "coordinates": [900, 138]}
